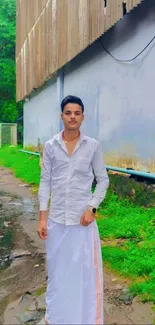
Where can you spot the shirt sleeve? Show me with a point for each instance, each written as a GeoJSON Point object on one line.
{"type": "Point", "coordinates": [45, 179]}
{"type": "Point", "coordinates": [101, 178]}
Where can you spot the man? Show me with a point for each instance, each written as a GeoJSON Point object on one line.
{"type": "Point", "coordinates": [70, 161]}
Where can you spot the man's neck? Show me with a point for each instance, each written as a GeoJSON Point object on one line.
{"type": "Point", "coordinates": [70, 134]}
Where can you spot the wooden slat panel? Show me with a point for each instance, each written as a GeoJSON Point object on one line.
{"type": "Point", "coordinates": [83, 23]}
{"type": "Point", "coordinates": [119, 9]}
{"type": "Point", "coordinates": [52, 32]}
{"type": "Point", "coordinates": [53, 36]}
{"type": "Point", "coordinates": [108, 18]}
{"type": "Point", "coordinates": [47, 33]}
{"type": "Point", "coordinates": [73, 29]}
{"type": "Point", "coordinates": [62, 31]}
{"type": "Point", "coordinates": [129, 5]}
{"type": "Point", "coordinates": [94, 14]}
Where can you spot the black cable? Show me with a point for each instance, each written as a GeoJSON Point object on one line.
{"type": "Point", "coordinates": [130, 60]}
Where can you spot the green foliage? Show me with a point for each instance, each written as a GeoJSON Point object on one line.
{"type": "Point", "coordinates": [138, 193]}
{"type": "Point", "coordinates": [24, 166]}
{"type": "Point", "coordinates": [128, 235]}
{"type": "Point", "coordinates": [9, 110]}
{"type": "Point", "coordinates": [40, 291]}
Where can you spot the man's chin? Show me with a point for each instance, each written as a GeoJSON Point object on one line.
{"type": "Point", "coordinates": [73, 127]}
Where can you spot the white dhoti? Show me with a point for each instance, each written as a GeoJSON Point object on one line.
{"type": "Point", "coordinates": [75, 279]}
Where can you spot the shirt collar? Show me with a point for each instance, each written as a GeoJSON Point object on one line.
{"type": "Point", "coordinates": [59, 138]}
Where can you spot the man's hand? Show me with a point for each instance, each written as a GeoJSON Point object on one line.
{"type": "Point", "coordinates": [42, 229]}
{"type": "Point", "coordinates": [87, 218]}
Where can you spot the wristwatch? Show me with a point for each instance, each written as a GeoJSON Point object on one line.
{"type": "Point", "coordinates": [92, 209]}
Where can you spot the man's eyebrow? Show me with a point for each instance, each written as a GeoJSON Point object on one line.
{"type": "Point", "coordinates": [78, 110]}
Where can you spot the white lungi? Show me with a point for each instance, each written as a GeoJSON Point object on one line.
{"type": "Point", "coordinates": [75, 277]}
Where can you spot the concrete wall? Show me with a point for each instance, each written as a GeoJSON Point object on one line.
{"type": "Point", "coordinates": [41, 115]}
{"type": "Point", "coordinates": [119, 97]}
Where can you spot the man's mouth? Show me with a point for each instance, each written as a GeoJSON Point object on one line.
{"type": "Point", "coordinates": [72, 122]}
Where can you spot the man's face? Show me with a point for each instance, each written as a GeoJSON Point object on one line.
{"type": "Point", "coordinates": [72, 116]}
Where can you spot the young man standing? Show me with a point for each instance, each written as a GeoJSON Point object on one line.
{"type": "Point", "coordinates": [75, 280]}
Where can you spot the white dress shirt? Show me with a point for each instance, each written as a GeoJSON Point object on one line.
{"type": "Point", "coordinates": [69, 179]}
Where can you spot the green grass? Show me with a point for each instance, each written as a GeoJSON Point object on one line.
{"type": "Point", "coordinates": [24, 166]}
{"type": "Point", "coordinates": [126, 223]}
{"type": "Point", "coordinates": [129, 231]}
{"type": "Point", "coordinates": [40, 291]}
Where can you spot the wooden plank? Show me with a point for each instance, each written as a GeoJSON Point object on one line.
{"type": "Point", "coordinates": [52, 36]}
{"type": "Point", "coordinates": [108, 18]}
{"type": "Point", "coordinates": [46, 42]}
{"type": "Point", "coordinates": [101, 18]}
{"type": "Point", "coordinates": [93, 20]}
{"type": "Point", "coordinates": [129, 5]}
{"type": "Point", "coordinates": [119, 10]}
{"type": "Point", "coordinates": [73, 29]}
{"type": "Point", "coordinates": [83, 23]}
{"type": "Point", "coordinates": [62, 31]}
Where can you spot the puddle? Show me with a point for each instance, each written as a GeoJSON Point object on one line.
{"type": "Point", "coordinates": [16, 204]}
{"type": "Point", "coordinates": [28, 205]}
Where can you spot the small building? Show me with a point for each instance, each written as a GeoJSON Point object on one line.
{"type": "Point", "coordinates": [102, 51]}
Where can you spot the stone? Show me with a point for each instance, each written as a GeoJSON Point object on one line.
{"type": "Point", "coordinates": [7, 223]}
{"type": "Point", "coordinates": [19, 253]}
{"type": "Point", "coordinates": [42, 322]}
{"type": "Point", "coordinates": [126, 298]}
{"type": "Point", "coordinates": [40, 301]}
{"type": "Point", "coordinates": [125, 290]}
{"type": "Point", "coordinates": [118, 287]}
{"type": "Point", "coordinates": [28, 316]}
{"type": "Point", "coordinates": [24, 185]}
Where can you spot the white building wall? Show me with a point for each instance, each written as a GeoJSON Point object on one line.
{"type": "Point", "coordinates": [41, 115]}
{"type": "Point", "coordinates": [119, 97]}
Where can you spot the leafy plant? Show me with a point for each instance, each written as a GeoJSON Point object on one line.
{"type": "Point", "coordinates": [9, 109]}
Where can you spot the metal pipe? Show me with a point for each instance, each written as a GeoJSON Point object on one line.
{"type": "Point", "coordinates": [30, 152]}
{"type": "Point", "coordinates": [131, 172]}
{"type": "Point", "coordinates": [111, 168]}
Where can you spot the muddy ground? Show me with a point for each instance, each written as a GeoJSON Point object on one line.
{"type": "Point", "coordinates": [27, 273]}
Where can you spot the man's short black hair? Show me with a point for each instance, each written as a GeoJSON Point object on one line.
{"type": "Point", "coordinates": [73, 100]}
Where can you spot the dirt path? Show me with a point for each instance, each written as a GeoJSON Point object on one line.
{"type": "Point", "coordinates": [26, 277]}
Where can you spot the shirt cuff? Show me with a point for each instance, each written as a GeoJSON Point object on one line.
{"type": "Point", "coordinates": [94, 203]}
{"type": "Point", "coordinates": [43, 206]}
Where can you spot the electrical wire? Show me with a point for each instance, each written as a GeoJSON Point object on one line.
{"type": "Point", "coordinates": [130, 60]}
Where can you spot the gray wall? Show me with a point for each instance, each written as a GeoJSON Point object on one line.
{"type": "Point", "coordinates": [41, 115]}
{"type": "Point", "coordinates": [119, 97]}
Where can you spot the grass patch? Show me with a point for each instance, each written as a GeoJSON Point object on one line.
{"type": "Point", "coordinates": [40, 291]}
{"type": "Point", "coordinates": [126, 218]}
{"type": "Point", "coordinates": [24, 166]}
{"type": "Point", "coordinates": [133, 255]}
